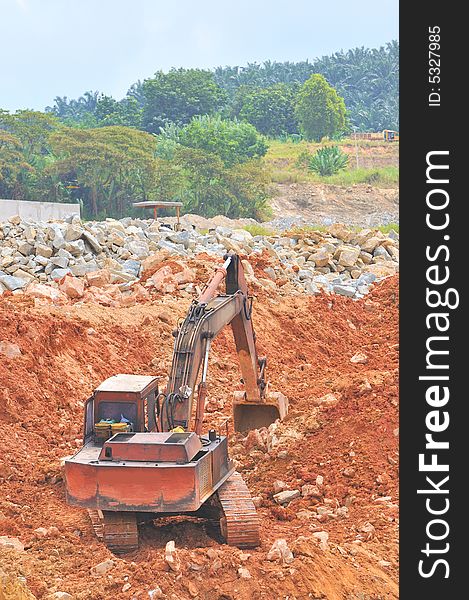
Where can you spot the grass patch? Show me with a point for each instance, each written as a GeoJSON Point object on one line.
{"type": "Point", "coordinates": [258, 230]}
{"type": "Point", "coordinates": [286, 176]}
{"type": "Point", "coordinates": [387, 228]}
{"type": "Point", "coordinates": [288, 163]}
{"type": "Point", "coordinates": [382, 176]}
{"type": "Point", "coordinates": [304, 230]}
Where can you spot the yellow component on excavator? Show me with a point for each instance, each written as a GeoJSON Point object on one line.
{"type": "Point", "coordinates": [178, 429]}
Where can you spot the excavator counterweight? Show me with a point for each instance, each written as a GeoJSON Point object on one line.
{"type": "Point", "coordinates": [141, 458]}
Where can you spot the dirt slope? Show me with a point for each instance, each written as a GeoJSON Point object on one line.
{"type": "Point", "coordinates": [309, 341]}
{"type": "Point", "coordinates": [362, 205]}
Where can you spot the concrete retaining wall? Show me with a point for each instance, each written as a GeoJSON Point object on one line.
{"type": "Point", "coordinates": [37, 211]}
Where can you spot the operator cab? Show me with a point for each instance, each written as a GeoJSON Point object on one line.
{"type": "Point", "coordinates": [121, 404]}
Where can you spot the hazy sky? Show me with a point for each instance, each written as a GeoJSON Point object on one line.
{"type": "Point", "coordinates": [54, 48]}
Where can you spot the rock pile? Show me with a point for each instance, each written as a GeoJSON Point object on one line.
{"type": "Point", "coordinates": [338, 260]}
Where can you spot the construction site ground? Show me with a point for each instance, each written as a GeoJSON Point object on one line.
{"type": "Point", "coordinates": [352, 444]}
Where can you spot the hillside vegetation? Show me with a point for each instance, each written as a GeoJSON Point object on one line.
{"type": "Point", "coordinates": [214, 140]}
{"type": "Point", "coordinates": [366, 78]}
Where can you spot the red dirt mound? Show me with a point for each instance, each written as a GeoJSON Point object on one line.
{"type": "Point", "coordinates": [350, 444]}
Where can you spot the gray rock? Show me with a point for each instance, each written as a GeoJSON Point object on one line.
{"type": "Point", "coordinates": [121, 276]}
{"type": "Point", "coordinates": [242, 236]}
{"type": "Point", "coordinates": [186, 238]}
{"type": "Point", "coordinates": [59, 261]}
{"type": "Point", "coordinates": [138, 248]}
{"type": "Point", "coordinates": [81, 269]}
{"type": "Point", "coordinates": [12, 283]}
{"type": "Point", "coordinates": [321, 279]}
{"type": "Point", "coordinates": [132, 267]}
{"type": "Point", "coordinates": [76, 248]}
{"type": "Point", "coordinates": [92, 242]}
{"type": "Point", "coordinates": [311, 288]}
{"type": "Point", "coordinates": [72, 233]}
{"type": "Point", "coordinates": [305, 274]}
{"type": "Point", "coordinates": [25, 248]}
{"type": "Point", "coordinates": [223, 231]}
{"type": "Point", "coordinates": [41, 260]}
{"type": "Point", "coordinates": [172, 248]}
{"type": "Point", "coordinates": [64, 253]}
{"type": "Point", "coordinates": [59, 273]}
{"type": "Point", "coordinates": [344, 290]}
{"type": "Point", "coordinates": [366, 278]}
{"type": "Point", "coordinates": [381, 251]}
{"type": "Point", "coordinates": [58, 241]}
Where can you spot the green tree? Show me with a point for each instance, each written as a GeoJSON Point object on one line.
{"type": "Point", "coordinates": [319, 109]}
{"type": "Point", "coordinates": [32, 128]}
{"type": "Point", "coordinates": [12, 166]}
{"type": "Point", "coordinates": [125, 112]}
{"type": "Point", "coordinates": [112, 165]}
{"type": "Point", "coordinates": [76, 113]}
{"type": "Point", "coordinates": [31, 131]}
{"type": "Point", "coordinates": [367, 79]}
{"type": "Point", "coordinates": [270, 109]}
{"type": "Point", "coordinates": [178, 96]}
{"type": "Point", "coordinates": [233, 142]}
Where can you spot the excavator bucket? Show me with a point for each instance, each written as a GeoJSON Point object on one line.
{"type": "Point", "coordinates": [254, 415]}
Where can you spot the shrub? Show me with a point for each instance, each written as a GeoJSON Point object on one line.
{"type": "Point", "coordinates": [208, 188]}
{"type": "Point", "coordinates": [328, 161]}
{"type": "Point", "coordinates": [233, 141]}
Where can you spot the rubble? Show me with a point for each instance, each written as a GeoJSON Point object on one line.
{"type": "Point", "coordinates": [9, 350]}
{"type": "Point", "coordinates": [339, 260]}
{"type": "Point", "coordinates": [280, 552]}
{"type": "Point", "coordinates": [360, 358]}
{"type": "Point", "coordinates": [171, 556]}
{"type": "Point", "coordinates": [244, 573]}
{"type": "Point", "coordinates": [103, 567]}
{"type": "Point", "coordinates": [11, 542]}
{"type": "Point", "coordinates": [286, 496]}
{"type": "Point", "coordinates": [322, 537]}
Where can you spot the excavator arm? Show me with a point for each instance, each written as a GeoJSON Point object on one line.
{"type": "Point", "coordinates": [206, 317]}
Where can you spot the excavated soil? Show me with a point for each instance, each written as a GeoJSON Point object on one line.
{"type": "Point", "coordinates": [360, 205]}
{"type": "Point", "coordinates": [68, 350]}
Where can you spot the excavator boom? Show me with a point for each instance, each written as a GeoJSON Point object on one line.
{"type": "Point", "coordinates": [207, 316]}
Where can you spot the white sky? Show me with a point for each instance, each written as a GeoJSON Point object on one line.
{"type": "Point", "coordinates": [54, 48]}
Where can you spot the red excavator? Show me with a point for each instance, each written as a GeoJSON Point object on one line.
{"type": "Point", "coordinates": [140, 459]}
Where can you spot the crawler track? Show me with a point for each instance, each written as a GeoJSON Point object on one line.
{"type": "Point", "coordinates": [97, 520]}
{"type": "Point", "coordinates": [239, 523]}
{"type": "Point", "coordinates": [118, 530]}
